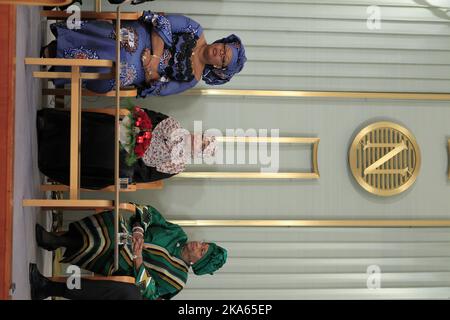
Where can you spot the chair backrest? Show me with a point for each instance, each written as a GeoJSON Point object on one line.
{"type": "Point", "coordinates": [126, 279]}
{"type": "Point", "coordinates": [90, 15]}
{"type": "Point", "coordinates": [155, 185]}
{"type": "Point", "coordinates": [38, 2]}
{"type": "Point", "coordinates": [124, 92]}
{"type": "Point", "coordinates": [110, 111]}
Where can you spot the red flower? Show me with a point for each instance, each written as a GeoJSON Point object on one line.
{"type": "Point", "coordinates": [139, 150]}
{"type": "Point", "coordinates": [146, 124]}
{"type": "Point", "coordinates": [146, 142]}
{"type": "Point", "coordinates": [145, 145]}
{"type": "Point", "coordinates": [144, 135]}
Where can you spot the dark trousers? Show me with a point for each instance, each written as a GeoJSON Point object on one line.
{"type": "Point", "coordinates": [96, 290]}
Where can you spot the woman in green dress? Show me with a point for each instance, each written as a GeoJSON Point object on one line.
{"type": "Point", "coordinates": [156, 252]}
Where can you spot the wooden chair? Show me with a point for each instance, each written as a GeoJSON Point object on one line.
{"type": "Point", "coordinates": [56, 264]}
{"type": "Point", "coordinates": [156, 185]}
{"type": "Point", "coordinates": [125, 92]}
{"type": "Point", "coordinates": [76, 77]}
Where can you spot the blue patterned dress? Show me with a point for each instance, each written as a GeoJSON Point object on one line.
{"type": "Point", "coordinates": [96, 40]}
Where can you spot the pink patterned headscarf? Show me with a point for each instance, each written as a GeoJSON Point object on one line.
{"type": "Point", "coordinates": [170, 148]}
{"type": "Point", "coordinates": [211, 146]}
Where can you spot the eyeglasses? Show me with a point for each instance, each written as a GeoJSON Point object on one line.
{"type": "Point", "coordinates": [224, 56]}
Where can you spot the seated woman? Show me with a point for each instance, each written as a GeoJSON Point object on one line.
{"type": "Point", "coordinates": [160, 55]}
{"type": "Point", "coordinates": [157, 253]}
{"type": "Point", "coordinates": [154, 146]}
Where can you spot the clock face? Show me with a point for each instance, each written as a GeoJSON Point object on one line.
{"type": "Point", "coordinates": [384, 158]}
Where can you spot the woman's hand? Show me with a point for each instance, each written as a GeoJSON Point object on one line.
{"type": "Point", "coordinates": [150, 63]}
{"type": "Point", "coordinates": [138, 243]}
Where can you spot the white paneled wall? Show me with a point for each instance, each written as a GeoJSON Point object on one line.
{"type": "Point", "coordinates": [327, 45]}
{"type": "Point", "coordinates": [321, 263]}
{"type": "Point", "coordinates": [319, 45]}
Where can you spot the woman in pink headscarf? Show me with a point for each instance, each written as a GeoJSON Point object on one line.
{"type": "Point", "coordinates": [154, 146]}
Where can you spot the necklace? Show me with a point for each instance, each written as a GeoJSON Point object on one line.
{"type": "Point", "coordinates": [193, 60]}
{"type": "Point", "coordinates": [196, 59]}
{"type": "Point", "coordinates": [198, 48]}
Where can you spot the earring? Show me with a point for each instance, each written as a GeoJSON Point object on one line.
{"type": "Point", "coordinates": [191, 263]}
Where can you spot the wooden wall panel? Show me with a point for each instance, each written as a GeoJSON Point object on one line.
{"type": "Point", "coordinates": [7, 95]}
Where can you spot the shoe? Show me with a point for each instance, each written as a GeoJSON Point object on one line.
{"type": "Point", "coordinates": [42, 52]}
{"type": "Point", "coordinates": [50, 46]}
{"type": "Point", "coordinates": [38, 283]}
{"type": "Point", "coordinates": [46, 240]}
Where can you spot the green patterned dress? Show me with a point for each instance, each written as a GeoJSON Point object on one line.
{"type": "Point", "coordinates": [163, 273]}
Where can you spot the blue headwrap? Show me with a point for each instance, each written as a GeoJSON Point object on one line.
{"type": "Point", "coordinates": [214, 76]}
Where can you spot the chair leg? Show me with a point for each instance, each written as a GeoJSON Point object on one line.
{"type": "Point", "coordinates": [59, 99]}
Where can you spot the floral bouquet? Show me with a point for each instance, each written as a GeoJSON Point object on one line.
{"type": "Point", "coordinates": [138, 129]}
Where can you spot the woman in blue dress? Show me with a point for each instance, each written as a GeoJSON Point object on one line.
{"type": "Point", "coordinates": [160, 55]}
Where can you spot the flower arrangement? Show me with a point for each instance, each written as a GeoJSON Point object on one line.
{"type": "Point", "coordinates": [139, 134]}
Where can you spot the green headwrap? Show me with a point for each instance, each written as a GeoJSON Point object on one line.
{"type": "Point", "coordinates": [213, 260]}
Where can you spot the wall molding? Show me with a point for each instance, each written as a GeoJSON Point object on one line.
{"type": "Point", "coordinates": [320, 94]}
{"type": "Point", "coordinates": [316, 223]}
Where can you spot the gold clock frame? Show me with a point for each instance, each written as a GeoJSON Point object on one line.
{"type": "Point", "coordinates": [356, 171]}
